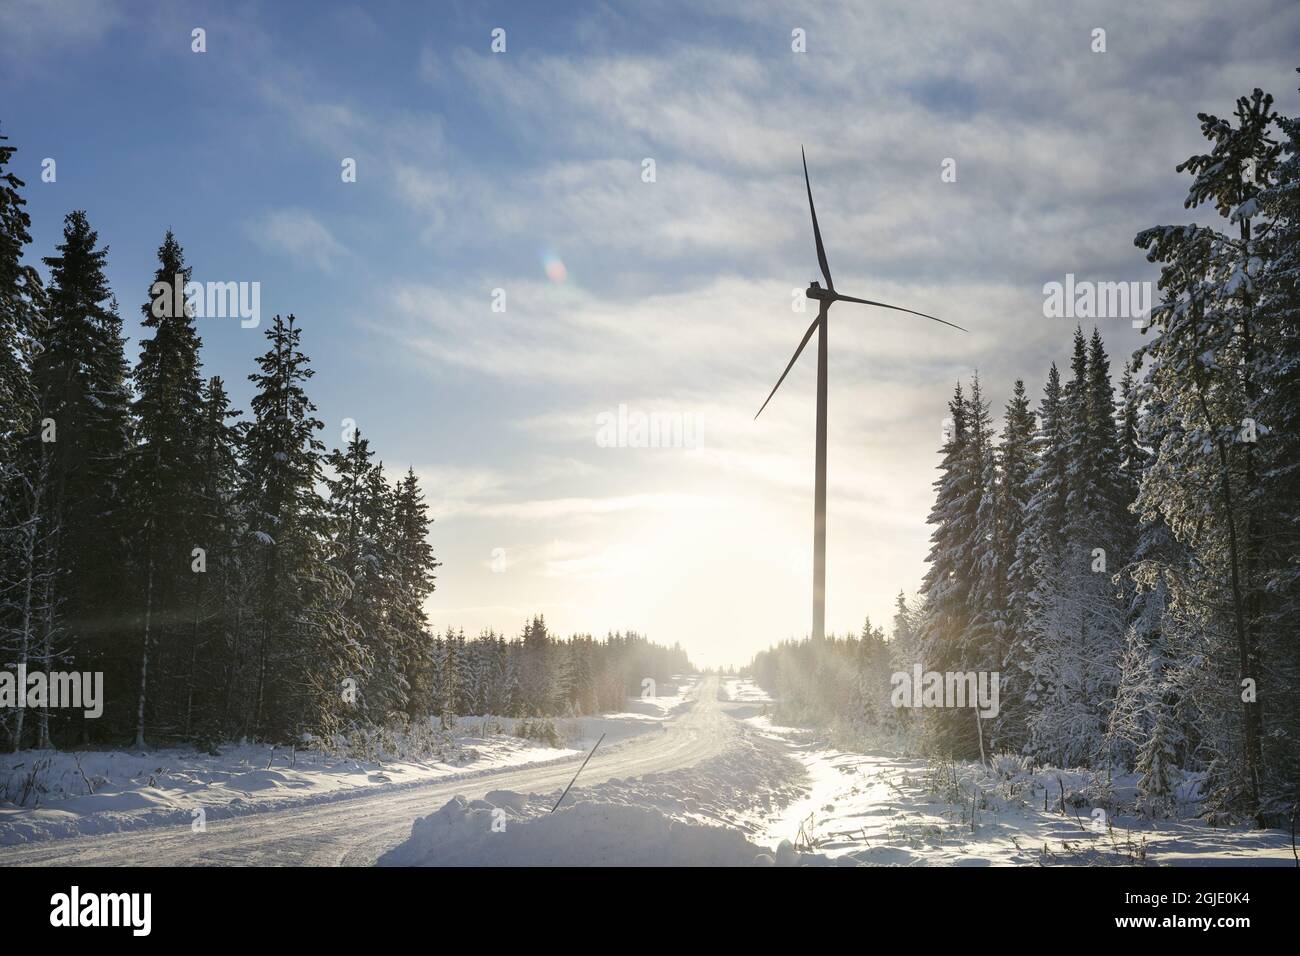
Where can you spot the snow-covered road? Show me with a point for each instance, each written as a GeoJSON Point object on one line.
{"type": "Point", "coordinates": [355, 832]}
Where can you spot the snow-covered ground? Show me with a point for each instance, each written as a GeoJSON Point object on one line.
{"type": "Point", "coordinates": [707, 814]}
{"type": "Point", "coordinates": [875, 809]}
{"type": "Point", "coordinates": [696, 778]}
{"type": "Point", "coordinates": [713, 812]}
{"type": "Point", "coordinates": [743, 690]}
{"type": "Point", "coordinates": [48, 794]}
{"type": "Point", "coordinates": [780, 795]}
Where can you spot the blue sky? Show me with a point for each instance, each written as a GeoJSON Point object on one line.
{"type": "Point", "coordinates": [473, 167]}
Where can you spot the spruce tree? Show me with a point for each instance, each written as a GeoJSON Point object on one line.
{"type": "Point", "coordinates": [413, 570]}
{"type": "Point", "coordinates": [81, 383]}
{"type": "Point", "coordinates": [218, 573]}
{"type": "Point", "coordinates": [1079, 619]}
{"type": "Point", "coordinates": [953, 601]}
{"type": "Point", "coordinates": [947, 580]}
{"type": "Point", "coordinates": [164, 474]}
{"type": "Point", "coordinates": [22, 300]}
{"type": "Point", "coordinates": [1016, 464]}
{"type": "Point", "coordinates": [303, 644]}
{"type": "Point", "coordinates": [1040, 551]}
{"type": "Point", "coordinates": [1277, 497]}
{"type": "Point", "coordinates": [25, 525]}
{"type": "Point", "coordinates": [1205, 367]}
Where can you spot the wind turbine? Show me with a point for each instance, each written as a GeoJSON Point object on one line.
{"type": "Point", "coordinates": [826, 297]}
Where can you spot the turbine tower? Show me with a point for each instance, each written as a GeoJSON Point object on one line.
{"type": "Point", "coordinates": [826, 298]}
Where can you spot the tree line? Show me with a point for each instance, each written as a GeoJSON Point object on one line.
{"type": "Point", "coordinates": [226, 574]}
{"type": "Point", "coordinates": [1128, 564]}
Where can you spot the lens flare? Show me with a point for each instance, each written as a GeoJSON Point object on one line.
{"type": "Point", "coordinates": [554, 266]}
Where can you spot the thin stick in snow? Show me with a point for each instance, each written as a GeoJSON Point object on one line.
{"type": "Point", "coordinates": [1294, 808]}
{"type": "Point", "coordinates": [575, 777]}
{"type": "Point", "coordinates": [91, 787]}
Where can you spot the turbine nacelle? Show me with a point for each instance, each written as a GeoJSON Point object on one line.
{"type": "Point", "coordinates": [815, 291]}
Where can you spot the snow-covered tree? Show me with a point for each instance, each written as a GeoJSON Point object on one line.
{"type": "Point", "coordinates": [305, 647]}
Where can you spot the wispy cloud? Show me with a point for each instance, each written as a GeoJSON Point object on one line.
{"type": "Point", "coordinates": [472, 166]}
{"type": "Point", "coordinates": [39, 32]}
{"type": "Point", "coordinates": [299, 235]}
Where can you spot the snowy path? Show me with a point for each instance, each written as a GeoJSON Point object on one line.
{"type": "Point", "coordinates": [355, 832]}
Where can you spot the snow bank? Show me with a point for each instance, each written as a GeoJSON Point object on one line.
{"type": "Point", "coordinates": [703, 815]}
{"type": "Point", "coordinates": [51, 794]}
{"type": "Point", "coordinates": [585, 834]}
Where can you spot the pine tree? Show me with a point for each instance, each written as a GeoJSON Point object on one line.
{"type": "Point", "coordinates": [358, 508]}
{"type": "Point", "coordinates": [451, 679]}
{"type": "Point", "coordinates": [304, 645]}
{"type": "Point", "coordinates": [22, 299]}
{"type": "Point", "coordinates": [947, 581]}
{"type": "Point", "coordinates": [1016, 465]}
{"type": "Point", "coordinates": [579, 678]}
{"type": "Point", "coordinates": [1040, 549]}
{"type": "Point", "coordinates": [164, 473]}
{"type": "Point", "coordinates": [413, 569]}
{"type": "Point", "coordinates": [953, 601]}
{"type": "Point", "coordinates": [877, 719]}
{"type": "Point", "coordinates": [81, 382]}
{"type": "Point", "coordinates": [981, 642]}
{"type": "Point", "coordinates": [536, 680]}
{"type": "Point", "coordinates": [218, 573]}
{"type": "Point", "coordinates": [1156, 763]}
{"type": "Point", "coordinates": [1204, 371]}
{"type": "Point", "coordinates": [1079, 622]}
{"type": "Point", "coordinates": [25, 528]}
{"type": "Point", "coordinates": [905, 639]}
{"type": "Point", "coordinates": [1277, 498]}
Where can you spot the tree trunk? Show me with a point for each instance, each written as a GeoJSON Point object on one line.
{"type": "Point", "coordinates": [194, 652]}
{"type": "Point", "coordinates": [29, 548]}
{"type": "Point", "coordinates": [1249, 710]}
{"type": "Point", "coordinates": [144, 653]}
{"type": "Point", "coordinates": [47, 654]}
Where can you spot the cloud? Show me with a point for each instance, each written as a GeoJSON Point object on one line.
{"type": "Point", "coordinates": [299, 235]}
{"type": "Point", "coordinates": [679, 291]}
{"type": "Point", "coordinates": [430, 66]}
{"type": "Point", "coordinates": [38, 32]}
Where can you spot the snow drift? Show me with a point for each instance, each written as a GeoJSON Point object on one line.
{"type": "Point", "coordinates": [470, 833]}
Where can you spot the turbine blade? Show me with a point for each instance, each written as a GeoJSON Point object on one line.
{"type": "Point", "coordinates": [898, 308]}
{"type": "Point", "coordinates": [806, 336]}
{"type": "Point", "coordinates": [817, 233]}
